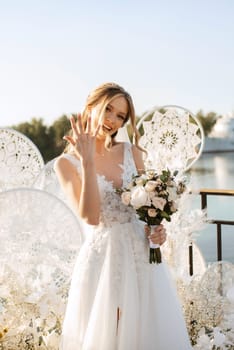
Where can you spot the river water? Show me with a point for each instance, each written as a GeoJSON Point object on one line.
{"type": "Point", "coordinates": [215, 171]}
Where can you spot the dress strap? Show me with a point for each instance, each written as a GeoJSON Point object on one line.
{"type": "Point", "coordinates": [73, 160]}
{"type": "Point", "coordinates": [129, 164]}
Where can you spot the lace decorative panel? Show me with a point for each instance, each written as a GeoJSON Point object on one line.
{"type": "Point", "coordinates": [47, 179]}
{"type": "Point", "coordinates": [172, 136]}
{"type": "Point", "coordinates": [40, 240]}
{"type": "Point", "coordinates": [20, 160]}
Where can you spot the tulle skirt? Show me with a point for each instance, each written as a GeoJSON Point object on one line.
{"type": "Point", "coordinates": [117, 300]}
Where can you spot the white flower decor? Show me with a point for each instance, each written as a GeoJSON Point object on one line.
{"type": "Point", "coordinates": [37, 257]}
{"type": "Point", "coordinates": [209, 311]}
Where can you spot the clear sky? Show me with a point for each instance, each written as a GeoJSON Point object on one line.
{"type": "Point", "coordinates": [53, 52]}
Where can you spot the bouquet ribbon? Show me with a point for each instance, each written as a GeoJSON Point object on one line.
{"type": "Point", "coordinates": [155, 256]}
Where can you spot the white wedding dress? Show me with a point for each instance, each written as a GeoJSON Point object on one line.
{"type": "Point", "coordinates": [117, 300]}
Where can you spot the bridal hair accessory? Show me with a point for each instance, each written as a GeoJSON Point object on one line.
{"type": "Point", "coordinates": [154, 196]}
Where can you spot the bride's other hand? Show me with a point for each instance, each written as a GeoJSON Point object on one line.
{"type": "Point", "coordinates": [82, 139]}
{"type": "Point", "coordinates": [158, 236]}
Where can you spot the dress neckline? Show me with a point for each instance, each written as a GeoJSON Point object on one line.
{"type": "Point", "coordinates": [121, 165]}
{"type": "Point", "coordinates": [103, 176]}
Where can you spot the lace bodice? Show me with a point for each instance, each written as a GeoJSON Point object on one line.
{"type": "Point", "coordinates": [112, 208]}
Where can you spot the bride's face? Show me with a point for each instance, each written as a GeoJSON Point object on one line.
{"type": "Point", "coordinates": [113, 118]}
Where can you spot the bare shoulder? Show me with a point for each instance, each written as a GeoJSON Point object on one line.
{"type": "Point", "coordinates": [61, 163]}
{"type": "Point", "coordinates": [64, 166]}
{"type": "Point", "coordinates": [118, 146]}
{"type": "Point", "coordinates": [68, 176]}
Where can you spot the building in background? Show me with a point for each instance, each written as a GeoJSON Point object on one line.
{"type": "Point", "coordinates": [221, 139]}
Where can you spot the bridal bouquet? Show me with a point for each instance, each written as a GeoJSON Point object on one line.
{"type": "Point", "coordinates": [154, 196]}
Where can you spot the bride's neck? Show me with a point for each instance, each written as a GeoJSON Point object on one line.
{"type": "Point", "coordinates": [100, 147]}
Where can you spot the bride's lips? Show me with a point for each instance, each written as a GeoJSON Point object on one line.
{"type": "Point", "coordinates": [106, 128]}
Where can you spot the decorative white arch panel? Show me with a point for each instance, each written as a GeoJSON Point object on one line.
{"type": "Point", "coordinates": [172, 136]}
{"type": "Point", "coordinates": [20, 160]}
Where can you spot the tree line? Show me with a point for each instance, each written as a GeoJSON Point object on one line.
{"type": "Point", "coordinates": [49, 139]}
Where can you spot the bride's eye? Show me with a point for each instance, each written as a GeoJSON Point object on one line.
{"type": "Point", "coordinates": [108, 109]}
{"type": "Point", "coordinates": [121, 117]}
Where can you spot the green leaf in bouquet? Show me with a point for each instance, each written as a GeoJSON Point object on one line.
{"type": "Point", "coordinates": [164, 177]}
{"type": "Point", "coordinates": [166, 216]}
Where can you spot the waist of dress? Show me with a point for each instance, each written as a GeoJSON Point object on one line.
{"type": "Point", "coordinates": [117, 219]}
{"type": "Point", "coordinates": [107, 223]}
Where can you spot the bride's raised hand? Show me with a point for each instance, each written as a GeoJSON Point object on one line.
{"type": "Point", "coordinates": [82, 139]}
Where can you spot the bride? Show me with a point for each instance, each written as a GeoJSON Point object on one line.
{"type": "Point", "coordinates": [117, 300]}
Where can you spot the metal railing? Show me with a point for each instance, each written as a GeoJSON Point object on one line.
{"type": "Point", "coordinates": [204, 193]}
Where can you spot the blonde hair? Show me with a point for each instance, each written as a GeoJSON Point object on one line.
{"type": "Point", "coordinates": [103, 95]}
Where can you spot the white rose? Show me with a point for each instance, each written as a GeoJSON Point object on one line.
{"type": "Point", "coordinates": [139, 197]}
{"type": "Point", "coordinates": [150, 186]}
{"type": "Point", "coordinates": [159, 202]}
{"type": "Point", "coordinates": [125, 197]}
{"type": "Point", "coordinates": [171, 183]}
{"type": "Point", "coordinates": [152, 212]}
{"type": "Point", "coordinates": [159, 182]}
{"type": "Point", "coordinates": [152, 194]}
{"type": "Point", "coordinates": [150, 174]}
{"type": "Point", "coordinates": [139, 181]}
